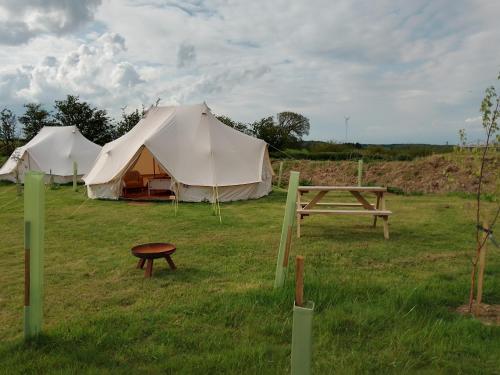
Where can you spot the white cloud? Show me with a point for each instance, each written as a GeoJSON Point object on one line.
{"type": "Point", "coordinates": [125, 75]}
{"type": "Point", "coordinates": [22, 20]}
{"type": "Point", "coordinates": [413, 70]}
{"type": "Point", "coordinates": [473, 120]}
{"type": "Point", "coordinates": [186, 55]}
{"type": "Point", "coordinates": [95, 70]}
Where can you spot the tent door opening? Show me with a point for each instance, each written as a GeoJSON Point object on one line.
{"type": "Point", "coordinates": [146, 179]}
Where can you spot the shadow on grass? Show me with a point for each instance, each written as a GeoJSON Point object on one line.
{"type": "Point", "coordinates": [182, 273]}
{"type": "Point", "coordinates": [346, 233]}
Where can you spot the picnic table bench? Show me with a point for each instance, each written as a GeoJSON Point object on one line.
{"type": "Point", "coordinates": [315, 206]}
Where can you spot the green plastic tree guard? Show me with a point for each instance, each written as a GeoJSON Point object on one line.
{"type": "Point", "coordinates": [280, 173]}
{"type": "Point", "coordinates": [288, 220]}
{"type": "Point", "coordinates": [34, 224]}
{"type": "Point", "coordinates": [302, 339]}
{"type": "Point", "coordinates": [75, 176]}
{"type": "Point", "coordinates": [360, 171]}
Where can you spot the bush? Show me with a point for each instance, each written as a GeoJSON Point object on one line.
{"type": "Point", "coordinates": [395, 190]}
{"type": "Point", "coordinates": [305, 182]}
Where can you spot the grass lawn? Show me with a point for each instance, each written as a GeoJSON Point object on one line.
{"type": "Point", "coordinates": [381, 306]}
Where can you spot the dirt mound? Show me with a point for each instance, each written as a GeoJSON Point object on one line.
{"type": "Point", "coordinates": [434, 174]}
{"type": "Point", "coordinates": [487, 314]}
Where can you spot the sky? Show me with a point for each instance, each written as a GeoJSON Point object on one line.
{"type": "Point", "coordinates": [403, 71]}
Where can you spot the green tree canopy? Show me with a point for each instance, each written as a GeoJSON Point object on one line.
{"type": "Point", "coordinates": [8, 123]}
{"type": "Point", "coordinates": [286, 132]}
{"type": "Point", "coordinates": [93, 123]}
{"type": "Point", "coordinates": [233, 124]}
{"type": "Point", "coordinates": [34, 119]}
{"type": "Point", "coordinates": [293, 126]}
{"type": "Point", "coordinates": [267, 130]}
{"type": "Point", "coordinates": [128, 121]}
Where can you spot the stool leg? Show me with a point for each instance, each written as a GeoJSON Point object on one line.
{"type": "Point", "coordinates": [141, 262]}
{"type": "Point", "coordinates": [170, 262]}
{"type": "Point", "coordinates": [149, 268]}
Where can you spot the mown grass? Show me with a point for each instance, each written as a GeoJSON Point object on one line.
{"type": "Point", "coordinates": [381, 306]}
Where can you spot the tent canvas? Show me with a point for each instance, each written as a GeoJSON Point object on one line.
{"type": "Point", "coordinates": [201, 156]}
{"type": "Point", "coordinates": [52, 150]}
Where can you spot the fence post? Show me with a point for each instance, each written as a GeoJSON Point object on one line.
{"type": "Point", "coordinates": [75, 174]}
{"type": "Point", "coordinates": [286, 229]}
{"type": "Point", "coordinates": [302, 325]}
{"type": "Point", "coordinates": [34, 226]}
{"type": "Point", "coordinates": [280, 173]}
{"type": "Point", "coordinates": [360, 172]}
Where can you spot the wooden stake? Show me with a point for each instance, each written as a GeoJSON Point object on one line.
{"type": "Point", "coordinates": [280, 174]}
{"type": "Point", "coordinates": [75, 176]}
{"type": "Point", "coordinates": [299, 280]}
{"type": "Point", "coordinates": [482, 264]}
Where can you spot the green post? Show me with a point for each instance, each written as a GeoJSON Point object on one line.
{"type": "Point", "coordinates": [280, 173]}
{"type": "Point", "coordinates": [34, 226]}
{"type": "Point", "coordinates": [291, 200]}
{"type": "Point", "coordinates": [360, 171]}
{"type": "Point", "coordinates": [302, 338]}
{"type": "Point", "coordinates": [75, 176]}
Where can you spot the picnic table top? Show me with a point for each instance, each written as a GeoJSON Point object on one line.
{"type": "Point", "coordinates": [343, 188]}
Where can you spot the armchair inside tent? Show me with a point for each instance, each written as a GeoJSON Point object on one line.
{"type": "Point", "coordinates": [132, 181]}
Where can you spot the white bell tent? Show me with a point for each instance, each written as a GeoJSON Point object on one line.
{"type": "Point", "coordinates": [52, 151]}
{"type": "Point", "coordinates": [185, 150]}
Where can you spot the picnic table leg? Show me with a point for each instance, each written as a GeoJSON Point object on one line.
{"type": "Point", "coordinates": [149, 268]}
{"type": "Point", "coordinates": [376, 207]}
{"type": "Point", "coordinates": [170, 262]}
{"type": "Point", "coordinates": [382, 200]}
{"type": "Point", "coordinates": [386, 218]}
{"type": "Point", "coordinates": [141, 262]}
{"type": "Point", "coordinates": [386, 227]}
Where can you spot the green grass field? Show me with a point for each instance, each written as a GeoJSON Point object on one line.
{"type": "Point", "coordinates": [381, 306]}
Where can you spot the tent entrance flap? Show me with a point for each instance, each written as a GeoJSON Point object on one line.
{"type": "Point", "coordinates": [146, 178]}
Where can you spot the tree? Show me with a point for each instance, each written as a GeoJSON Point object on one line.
{"type": "Point", "coordinates": [286, 132]}
{"type": "Point", "coordinates": [128, 121]}
{"type": "Point", "coordinates": [484, 220]}
{"type": "Point", "coordinates": [93, 123]}
{"type": "Point", "coordinates": [293, 127]}
{"type": "Point", "coordinates": [267, 130]}
{"type": "Point", "coordinates": [8, 122]}
{"type": "Point", "coordinates": [233, 124]}
{"type": "Point", "coordinates": [34, 119]}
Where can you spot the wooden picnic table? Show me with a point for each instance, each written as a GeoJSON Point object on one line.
{"type": "Point", "coordinates": [377, 209]}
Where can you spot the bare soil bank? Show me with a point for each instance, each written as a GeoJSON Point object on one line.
{"type": "Point", "coordinates": [433, 174]}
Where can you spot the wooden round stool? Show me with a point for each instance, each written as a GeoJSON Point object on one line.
{"type": "Point", "coordinates": [150, 251]}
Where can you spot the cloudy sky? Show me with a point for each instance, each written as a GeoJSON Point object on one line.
{"type": "Point", "coordinates": [404, 71]}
